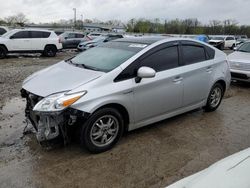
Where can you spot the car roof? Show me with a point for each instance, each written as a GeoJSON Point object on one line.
{"type": "Point", "coordinates": [142, 40]}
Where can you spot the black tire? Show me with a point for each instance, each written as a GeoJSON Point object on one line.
{"type": "Point", "coordinates": [221, 46]}
{"type": "Point", "coordinates": [50, 51]}
{"type": "Point", "coordinates": [212, 102]}
{"type": "Point", "coordinates": [92, 127]}
{"type": "Point", "coordinates": [3, 52]}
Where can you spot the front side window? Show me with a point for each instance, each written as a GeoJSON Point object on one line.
{"type": "Point", "coordinates": [193, 54]}
{"type": "Point", "coordinates": [21, 35]}
{"type": "Point", "coordinates": [71, 35]}
{"type": "Point", "coordinates": [163, 59]}
{"type": "Point", "coordinates": [230, 38]}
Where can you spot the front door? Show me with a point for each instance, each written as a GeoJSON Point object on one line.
{"type": "Point", "coordinates": [20, 41]}
{"type": "Point", "coordinates": [155, 97]}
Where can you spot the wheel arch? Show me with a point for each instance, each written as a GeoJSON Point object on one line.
{"type": "Point", "coordinates": [48, 45]}
{"type": "Point", "coordinates": [3, 45]}
{"type": "Point", "coordinates": [121, 109]}
{"type": "Point", "coordinates": [223, 83]}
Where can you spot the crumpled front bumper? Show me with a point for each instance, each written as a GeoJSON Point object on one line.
{"type": "Point", "coordinates": [50, 125]}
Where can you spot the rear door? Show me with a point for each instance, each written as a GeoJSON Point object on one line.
{"type": "Point", "coordinates": [197, 72]}
{"type": "Point", "coordinates": [70, 41]}
{"type": "Point", "coordinates": [39, 39]}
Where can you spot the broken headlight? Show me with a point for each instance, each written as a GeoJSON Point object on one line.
{"type": "Point", "coordinates": [57, 102]}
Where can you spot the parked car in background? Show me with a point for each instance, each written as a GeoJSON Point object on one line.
{"type": "Point", "coordinates": [203, 38]}
{"type": "Point", "coordinates": [97, 41]}
{"type": "Point", "coordinates": [222, 42]}
{"type": "Point", "coordinates": [29, 41]}
{"type": "Point", "coordinates": [71, 39]}
{"type": "Point", "coordinates": [3, 30]}
{"type": "Point", "coordinates": [240, 63]}
{"type": "Point", "coordinates": [85, 45]}
{"type": "Point", "coordinates": [241, 39]}
{"type": "Point", "coordinates": [123, 85]}
{"type": "Point", "coordinates": [94, 35]}
{"type": "Point", "coordinates": [230, 172]}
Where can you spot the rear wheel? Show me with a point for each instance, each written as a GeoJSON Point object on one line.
{"type": "Point", "coordinates": [50, 51]}
{"type": "Point", "coordinates": [3, 52]}
{"type": "Point", "coordinates": [215, 97]}
{"type": "Point", "coordinates": [102, 130]}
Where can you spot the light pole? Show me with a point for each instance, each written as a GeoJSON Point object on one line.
{"type": "Point", "coordinates": [74, 9]}
{"type": "Point", "coordinates": [82, 20]}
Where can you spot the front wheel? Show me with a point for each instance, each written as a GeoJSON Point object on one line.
{"type": "Point", "coordinates": [102, 130]}
{"type": "Point", "coordinates": [215, 97]}
{"type": "Point", "coordinates": [3, 52]}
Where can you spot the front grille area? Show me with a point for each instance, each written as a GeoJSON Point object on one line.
{"type": "Point", "coordinates": [240, 66]}
{"type": "Point", "coordinates": [240, 76]}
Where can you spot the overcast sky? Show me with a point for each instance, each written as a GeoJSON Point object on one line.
{"type": "Point", "coordinates": [54, 10]}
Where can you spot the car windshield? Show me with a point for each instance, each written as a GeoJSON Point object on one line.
{"type": "Point", "coordinates": [107, 56]}
{"type": "Point", "coordinates": [218, 38]}
{"type": "Point", "coordinates": [245, 47]}
{"type": "Point", "coordinates": [8, 33]}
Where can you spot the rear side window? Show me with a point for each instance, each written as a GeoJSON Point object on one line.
{"type": "Point", "coordinates": [21, 35]}
{"type": "Point", "coordinates": [2, 31]}
{"type": "Point", "coordinates": [79, 35]}
{"type": "Point", "coordinates": [163, 59]}
{"type": "Point", "coordinates": [193, 54]}
{"type": "Point", "coordinates": [40, 34]}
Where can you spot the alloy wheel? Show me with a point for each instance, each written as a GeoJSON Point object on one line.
{"type": "Point", "coordinates": [104, 130]}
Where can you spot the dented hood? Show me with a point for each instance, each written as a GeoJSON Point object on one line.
{"type": "Point", "coordinates": [231, 172]}
{"type": "Point", "coordinates": [58, 78]}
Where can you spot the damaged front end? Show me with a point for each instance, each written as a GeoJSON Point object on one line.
{"type": "Point", "coordinates": [52, 125]}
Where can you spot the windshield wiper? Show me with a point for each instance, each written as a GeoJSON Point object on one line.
{"type": "Point", "coordinates": [83, 65]}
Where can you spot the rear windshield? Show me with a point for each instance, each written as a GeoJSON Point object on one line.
{"type": "Point", "coordinates": [107, 56]}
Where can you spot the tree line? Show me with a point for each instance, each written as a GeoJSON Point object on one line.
{"type": "Point", "coordinates": [187, 26]}
{"type": "Point", "coordinates": [142, 25]}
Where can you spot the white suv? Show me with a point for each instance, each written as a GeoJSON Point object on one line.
{"type": "Point", "coordinates": [29, 40]}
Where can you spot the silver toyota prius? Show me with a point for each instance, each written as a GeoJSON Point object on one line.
{"type": "Point", "coordinates": [121, 86]}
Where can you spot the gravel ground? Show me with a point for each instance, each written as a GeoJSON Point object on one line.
{"type": "Point", "coordinates": [154, 156]}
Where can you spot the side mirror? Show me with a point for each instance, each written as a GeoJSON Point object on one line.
{"type": "Point", "coordinates": [12, 37]}
{"type": "Point", "coordinates": [144, 72]}
{"type": "Point", "coordinates": [65, 38]}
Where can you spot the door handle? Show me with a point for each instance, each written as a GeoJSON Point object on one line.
{"type": "Point", "coordinates": [209, 69]}
{"type": "Point", "coordinates": [177, 79]}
